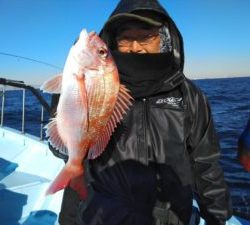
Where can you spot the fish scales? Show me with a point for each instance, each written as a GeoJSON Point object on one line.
{"type": "Point", "coordinates": [102, 95]}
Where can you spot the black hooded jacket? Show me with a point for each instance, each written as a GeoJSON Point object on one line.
{"type": "Point", "coordinates": [164, 150]}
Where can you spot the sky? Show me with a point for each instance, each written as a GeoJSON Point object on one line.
{"type": "Point", "coordinates": [216, 35]}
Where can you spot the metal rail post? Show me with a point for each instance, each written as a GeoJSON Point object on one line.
{"type": "Point", "coordinates": [23, 115]}
{"type": "Point", "coordinates": [41, 128]}
{"type": "Point", "coordinates": [3, 102]}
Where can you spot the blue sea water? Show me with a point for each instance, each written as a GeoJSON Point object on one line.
{"type": "Point", "coordinates": [229, 99]}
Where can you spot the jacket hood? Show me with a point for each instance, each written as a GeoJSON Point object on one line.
{"type": "Point", "coordinates": [134, 9]}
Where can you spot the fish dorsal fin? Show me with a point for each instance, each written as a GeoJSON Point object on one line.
{"type": "Point", "coordinates": [123, 102]}
{"type": "Point", "coordinates": [54, 138]}
{"type": "Point", "coordinates": [53, 85]}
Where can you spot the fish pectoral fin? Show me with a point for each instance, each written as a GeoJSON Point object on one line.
{"type": "Point", "coordinates": [124, 100]}
{"type": "Point", "coordinates": [53, 85]}
{"type": "Point", "coordinates": [54, 137]}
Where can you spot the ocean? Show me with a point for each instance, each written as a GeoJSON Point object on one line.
{"type": "Point", "coordinates": [229, 99]}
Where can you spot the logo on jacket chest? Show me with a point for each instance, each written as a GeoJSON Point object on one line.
{"type": "Point", "coordinates": [169, 101]}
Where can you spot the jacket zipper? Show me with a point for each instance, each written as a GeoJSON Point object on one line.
{"type": "Point", "coordinates": [145, 124]}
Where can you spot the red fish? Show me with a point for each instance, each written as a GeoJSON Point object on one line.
{"type": "Point", "coordinates": [91, 103]}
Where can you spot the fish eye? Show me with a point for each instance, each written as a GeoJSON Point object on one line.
{"type": "Point", "coordinates": [102, 52]}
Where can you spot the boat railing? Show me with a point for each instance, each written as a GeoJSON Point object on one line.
{"type": "Point", "coordinates": [21, 85]}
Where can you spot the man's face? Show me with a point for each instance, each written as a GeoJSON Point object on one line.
{"type": "Point", "coordinates": [138, 40]}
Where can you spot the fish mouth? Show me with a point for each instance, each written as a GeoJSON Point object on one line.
{"type": "Point", "coordinates": [82, 57]}
{"type": "Point", "coordinates": [92, 34]}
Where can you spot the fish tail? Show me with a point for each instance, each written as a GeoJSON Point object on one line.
{"type": "Point", "coordinates": [79, 186]}
{"type": "Point", "coordinates": [64, 178]}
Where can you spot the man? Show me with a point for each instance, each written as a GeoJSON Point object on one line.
{"type": "Point", "coordinates": [165, 151]}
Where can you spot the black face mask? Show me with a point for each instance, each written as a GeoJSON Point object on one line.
{"type": "Point", "coordinates": [144, 74]}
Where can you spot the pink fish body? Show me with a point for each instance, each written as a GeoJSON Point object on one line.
{"type": "Point", "coordinates": [91, 103]}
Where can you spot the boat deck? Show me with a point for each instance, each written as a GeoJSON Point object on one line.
{"type": "Point", "coordinates": [26, 169]}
